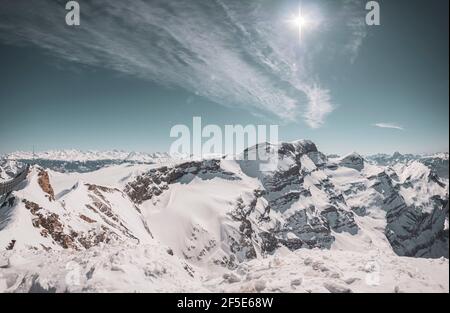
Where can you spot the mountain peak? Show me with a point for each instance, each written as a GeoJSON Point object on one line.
{"type": "Point", "coordinates": [353, 160]}
{"type": "Point", "coordinates": [298, 147]}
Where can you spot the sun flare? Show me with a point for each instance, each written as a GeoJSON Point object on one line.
{"type": "Point", "coordinates": [299, 21]}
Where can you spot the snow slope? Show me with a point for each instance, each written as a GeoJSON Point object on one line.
{"type": "Point", "coordinates": [105, 268]}
{"type": "Point", "coordinates": [79, 218]}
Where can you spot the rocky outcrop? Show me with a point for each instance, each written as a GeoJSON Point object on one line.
{"type": "Point", "coordinates": [354, 161]}
{"type": "Point", "coordinates": [44, 183]}
{"type": "Point", "coordinates": [340, 220]}
{"type": "Point", "coordinates": [244, 245]}
{"type": "Point", "coordinates": [296, 149]}
{"type": "Point", "coordinates": [156, 181]}
{"type": "Point", "coordinates": [285, 189]}
{"type": "Point", "coordinates": [104, 209]}
{"type": "Point", "coordinates": [310, 230]}
{"type": "Point", "coordinates": [415, 233]}
{"type": "Point", "coordinates": [50, 225]}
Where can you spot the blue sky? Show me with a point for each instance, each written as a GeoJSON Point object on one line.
{"type": "Point", "coordinates": [133, 69]}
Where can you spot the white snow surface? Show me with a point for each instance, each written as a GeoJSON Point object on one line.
{"type": "Point", "coordinates": [149, 268]}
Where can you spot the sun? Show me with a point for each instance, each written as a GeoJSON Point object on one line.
{"type": "Point", "coordinates": [299, 21]}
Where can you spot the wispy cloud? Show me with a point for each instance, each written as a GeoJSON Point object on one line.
{"type": "Point", "coordinates": [388, 125]}
{"type": "Point", "coordinates": [356, 24]}
{"type": "Point", "coordinates": [235, 53]}
{"type": "Point", "coordinates": [319, 105]}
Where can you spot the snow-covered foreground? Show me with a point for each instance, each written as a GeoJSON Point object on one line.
{"type": "Point", "coordinates": [322, 271]}
{"type": "Point", "coordinates": [312, 224]}
{"type": "Point", "coordinates": [152, 268]}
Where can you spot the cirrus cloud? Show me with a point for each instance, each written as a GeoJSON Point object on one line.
{"type": "Point", "coordinates": [388, 125]}
{"type": "Point", "coordinates": [235, 53]}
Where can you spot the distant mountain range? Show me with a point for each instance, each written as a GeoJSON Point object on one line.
{"type": "Point", "coordinates": [438, 161]}
{"type": "Point", "coordinates": [80, 161]}
{"type": "Point", "coordinates": [397, 157]}
{"type": "Point", "coordinates": [85, 161]}
{"type": "Point", "coordinates": [83, 156]}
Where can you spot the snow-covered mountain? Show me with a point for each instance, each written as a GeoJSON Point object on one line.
{"type": "Point", "coordinates": [9, 169]}
{"type": "Point", "coordinates": [83, 156]}
{"type": "Point", "coordinates": [437, 162]}
{"type": "Point", "coordinates": [84, 161]}
{"type": "Point", "coordinates": [313, 223]}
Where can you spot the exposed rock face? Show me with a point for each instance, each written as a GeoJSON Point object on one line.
{"type": "Point", "coordinates": [44, 182]}
{"type": "Point", "coordinates": [340, 220]}
{"type": "Point", "coordinates": [87, 219]}
{"type": "Point", "coordinates": [410, 229]}
{"type": "Point", "coordinates": [354, 161]}
{"type": "Point", "coordinates": [285, 186]}
{"type": "Point", "coordinates": [9, 202]}
{"type": "Point", "coordinates": [297, 149]}
{"type": "Point", "coordinates": [156, 181]}
{"type": "Point", "coordinates": [82, 217]}
{"type": "Point", "coordinates": [11, 245]}
{"type": "Point", "coordinates": [50, 225]}
{"type": "Point", "coordinates": [244, 244]}
{"type": "Point", "coordinates": [439, 165]}
{"type": "Point", "coordinates": [413, 232]}
{"type": "Point", "coordinates": [310, 228]}
{"type": "Point", "coordinates": [290, 185]}
{"type": "Point", "coordinates": [360, 210]}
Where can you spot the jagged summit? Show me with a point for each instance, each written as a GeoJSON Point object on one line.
{"type": "Point", "coordinates": [304, 145]}
{"type": "Point", "coordinates": [353, 160]}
